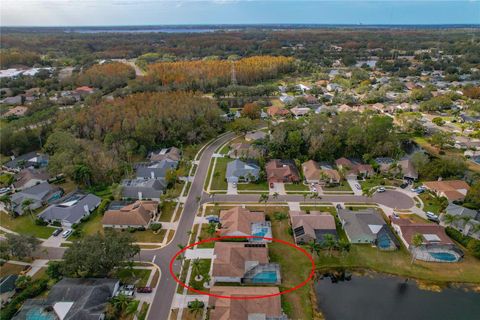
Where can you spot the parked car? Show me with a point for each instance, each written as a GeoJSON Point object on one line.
{"type": "Point", "coordinates": [4, 190]}
{"type": "Point", "coordinates": [144, 290]}
{"type": "Point", "coordinates": [432, 216]}
{"type": "Point", "coordinates": [404, 185]}
{"type": "Point", "coordinates": [396, 215]}
{"type": "Point", "coordinates": [358, 186]}
{"type": "Point", "coordinates": [65, 234]}
{"type": "Point", "coordinates": [57, 232]}
{"type": "Point", "coordinates": [381, 189]}
{"type": "Point", "coordinates": [339, 206]}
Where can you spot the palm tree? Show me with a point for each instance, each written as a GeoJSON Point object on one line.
{"type": "Point", "coordinates": [181, 247]}
{"type": "Point", "coordinates": [8, 204]}
{"type": "Point", "coordinates": [132, 307]}
{"type": "Point", "coordinates": [264, 198]}
{"type": "Point", "coordinates": [329, 243]}
{"type": "Point", "coordinates": [196, 264]}
{"type": "Point", "coordinates": [344, 246]}
{"type": "Point", "coordinates": [212, 227]}
{"type": "Point", "coordinates": [313, 246]}
{"type": "Point", "coordinates": [121, 302]}
{"type": "Point", "coordinates": [315, 196]}
{"type": "Point", "coordinates": [275, 196]}
{"type": "Point", "coordinates": [368, 193]}
{"type": "Point", "coordinates": [280, 216]}
{"type": "Point", "coordinates": [26, 207]}
{"type": "Point", "coordinates": [417, 241]}
{"type": "Point", "coordinates": [195, 306]}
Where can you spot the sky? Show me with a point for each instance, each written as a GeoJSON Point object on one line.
{"type": "Point", "coordinates": [168, 12]}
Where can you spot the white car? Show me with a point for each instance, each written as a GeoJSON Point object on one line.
{"type": "Point", "coordinates": [381, 189]}
{"type": "Point", "coordinates": [66, 233]}
{"type": "Point", "coordinates": [358, 186]}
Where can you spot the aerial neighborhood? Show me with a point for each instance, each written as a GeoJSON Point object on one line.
{"type": "Point", "coordinates": [236, 174]}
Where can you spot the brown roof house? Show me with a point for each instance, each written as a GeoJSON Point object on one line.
{"type": "Point", "coordinates": [362, 170]}
{"type": "Point", "coordinates": [436, 245]}
{"type": "Point", "coordinates": [239, 221]}
{"type": "Point", "coordinates": [313, 173]}
{"type": "Point", "coordinates": [275, 111]}
{"type": "Point", "coordinates": [312, 227]}
{"type": "Point", "coordinates": [244, 150]}
{"type": "Point", "coordinates": [343, 163]}
{"type": "Point", "coordinates": [282, 171]}
{"type": "Point", "coordinates": [239, 262]}
{"type": "Point", "coordinates": [136, 215]}
{"type": "Point", "coordinates": [246, 309]}
{"type": "Point", "coordinates": [172, 153]}
{"type": "Point", "coordinates": [29, 177]}
{"type": "Point", "coordinates": [450, 189]}
{"type": "Point", "coordinates": [18, 111]}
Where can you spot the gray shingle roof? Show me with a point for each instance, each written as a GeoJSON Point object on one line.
{"type": "Point", "coordinates": [155, 170]}
{"type": "Point", "coordinates": [150, 188]}
{"type": "Point", "coordinates": [238, 168]}
{"type": "Point", "coordinates": [72, 208]}
{"type": "Point", "coordinates": [358, 224]}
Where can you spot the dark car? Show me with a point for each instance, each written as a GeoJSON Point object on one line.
{"type": "Point", "coordinates": [404, 185]}
{"type": "Point", "coordinates": [57, 232]}
{"type": "Point", "coordinates": [144, 290]}
{"type": "Point", "coordinates": [339, 206]}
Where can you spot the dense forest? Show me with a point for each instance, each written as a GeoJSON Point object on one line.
{"type": "Point", "coordinates": [210, 74]}
{"type": "Point", "coordinates": [311, 45]}
{"type": "Point", "coordinates": [107, 76]}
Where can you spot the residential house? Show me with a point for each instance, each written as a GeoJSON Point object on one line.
{"type": "Point", "coordinates": [40, 195]}
{"type": "Point", "coordinates": [73, 299]}
{"type": "Point", "coordinates": [312, 227]}
{"type": "Point", "coordinates": [29, 177]}
{"type": "Point", "coordinates": [303, 88]}
{"type": "Point", "coordinates": [310, 99]}
{"type": "Point", "coordinates": [313, 173]}
{"type": "Point", "coordinates": [16, 100]}
{"type": "Point", "coordinates": [84, 91]}
{"type": "Point", "coordinates": [286, 99]}
{"type": "Point", "coordinates": [71, 209]}
{"type": "Point", "coordinates": [282, 171]}
{"type": "Point", "coordinates": [275, 111]}
{"type": "Point", "coordinates": [464, 220]}
{"type": "Point", "coordinates": [239, 262]}
{"type": "Point", "coordinates": [31, 159]}
{"type": "Point", "coordinates": [360, 170]}
{"type": "Point", "coordinates": [7, 288]}
{"type": "Point", "coordinates": [367, 226]}
{"type": "Point", "coordinates": [239, 221]}
{"type": "Point", "coordinates": [255, 135]}
{"type": "Point", "coordinates": [334, 87]}
{"type": "Point", "coordinates": [245, 309]}
{"type": "Point", "coordinates": [240, 171]}
{"type": "Point", "coordinates": [244, 150]}
{"type": "Point", "coordinates": [436, 245]}
{"type": "Point", "coordinates": [450, 189]}
{"type": "Point", "coordinates": [172, 153]}
{"type": "Point", "coordinates": [384, 163]}
{"type": "Point", "coordinates": [136, 215]}
{"type": "Point", "coordinates": [141, 188]}
{"type": "Point", "coordinates": [18, 111]}
{"type": "Point", "coordinates": [343, 163]}
{"type": "Point", "coordinates": [300, 111]}
{"type": "Point", "coordinates": [154, 170]}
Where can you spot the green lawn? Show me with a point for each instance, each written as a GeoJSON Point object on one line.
{"type": "Point", "coordinates": [138, 277]}
{"type": "Point", "coordinates": [378, 181]}
{"type": "Point", "coordinates": [224, 149]}
{"type": "Point", "coordinates": [219, 182]}
{"type": "Point", "coordinates": [168, 207]}
{"type": "Point", "coordinates": [142, 314]}
{"type": "Point", "coordinates": [431, 203]}
{"type": "Point", "coordinates": [343, 186]}
{"type": "Point", "coordinates": [183, 276]}
{"type": "Point", "coordinates": [204, 235]}
{"type": "Point", "coordinates": [10, 268]}
{"type": "Point", "coordinates": [296, 187]}
{"type": "Point", "coordinates": [203, 271]}
{"type": "Point", "coordinates": [25, 225]}
{"type": "Point", "coordinates": [263, 186]}
{"type": "Point", "coordinates": [6, 179]}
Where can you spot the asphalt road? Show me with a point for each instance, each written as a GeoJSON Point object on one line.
{"type": "Point", "coordinates": [160, 307]}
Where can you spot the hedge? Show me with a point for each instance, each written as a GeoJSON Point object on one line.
{"type": "Point", "coordinates": [33, 290]}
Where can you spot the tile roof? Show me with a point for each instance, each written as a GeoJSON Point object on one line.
{"type": "Point", "coordinates": [282, 170]}
{"type": "Point", "coordinates": [452, 189]}
{"type": "Point", "coordinates": [136, 214]}
{"type": "Point", "coordinates": [238, 220]}
{"type": "Point", "coordinates": [234, 259]}
{"type": "Point", "coordinates": [409, 229]}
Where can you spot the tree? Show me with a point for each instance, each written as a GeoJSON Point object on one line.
{"type": "Point", "coordinates": [26, 207]}
{"type": "Point", "coordinates": [97, 255]}
{"type": "Point", "coordinates": [417, 241]}
{"type": "Point", "coordinates": [275, 195]}
{"type": "Point", "coordinates": [313, 246]}
{"type": "Point", "coordinates": [251, 110]}
{"type": "Point", "coordinates": [242, 125]}
{"type": "Point", "coordinates": [21, 246]}
{"type": "Point", "coordinates": [280, 216]}
{"type": "Point", "coordinates": [344, 246]}
{"type": "Point", "coordinates": [23, 282]}
{"type": "Point", "coordinates": [329, 242]}
{"type": "Point", "coordinates": [211, 228]}
{"type": "Point", "coordinates": [474, 247]}
{"type": "Point", "coordinates": [195, 306]}
{"type": "Point", "coordinates": [264, 198]}
{"type": "Point", "coordinates": [473, 195]}
{"type": "Point", "coordinates": [441, 139]}
{"type": "Point", "coordinates": [82, 174]}
{"type": "Point", "coordinates": [7, 201]}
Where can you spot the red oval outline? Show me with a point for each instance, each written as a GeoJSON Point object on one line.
{"type": "Point", "coordinates": [309, 256]}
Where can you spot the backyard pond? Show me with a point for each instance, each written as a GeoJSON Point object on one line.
{"type": "Point", "coordinates": [379, 296]}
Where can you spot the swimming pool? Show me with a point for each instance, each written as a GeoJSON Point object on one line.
{"type": "Point", "coordinates": [444, 256]}
{"type": "Point", "coordinates": [384, 243]}
{"type": "Point", "coordinates": [39, 314]}
{"type": "Point", "coordinates": [265, 277]}
{"type": "Point", "coordinates": [261, 232]}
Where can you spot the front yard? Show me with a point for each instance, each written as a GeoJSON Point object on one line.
{"type": "Point", "coordinates": [138, 277]}
{"type": "Point", "coordinates": [203, 270]}
{"type": "Point", "coordinates": [218, 180]}
{"type": "Point", "coordinates": [432, 203]}
{"type": "Point", "coordinates": [342, 186]}
{"type": "Point", "coordinates": [296, 187]}
{"type": "Point", "coordinates": [260, 186]}
{"type": "Point", "coordinates": [25, 225]}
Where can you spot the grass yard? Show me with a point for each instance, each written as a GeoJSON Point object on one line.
{"type": "Point", "coordinates": [205, 235]}
{"type": "Point", "coordinates": [204, 268]}
{"type": "Point", "coordinates": [6, 179]}
{"type": "Point", "coordinates": [261, 186]}
{"type": "Point", "coordinates": [296, 187]}
{"type": "Point", "coordinates": [10, 268]}
{"type": "Point", "coordinates": [25, 225]}
{"type": "Point", "coordinates": [183, 275]}
{"type": "Point", "coordinates": [168, 207]}
{"type": "Point", "coordinates": [342, 186]}
{"type": "Point", "coordinates": [142, 314]}
{"type": "Point", "coordinates": [432, 203]}
{"type": "Point", "coordinates": [138, 277]}
{"type": "Point", "coordinates": [378, 181]}
{"type": "Point", "coordinates": [329, 209]}
{"type": "Point", "coordinates": [224, 149]}
{"type": "Point", "coordinates": [149, 236]}
{"type": "Point", "coordinates": [219, 182]}
{"type": "Point", "coordinates": [414, 218]}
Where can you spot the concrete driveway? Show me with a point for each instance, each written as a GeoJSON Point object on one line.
{"type": "Point", "coordinates": [278, 187]}
{"type": "Point", "coordinates": [352, 182]}
{"type": "Point", "coordinates": [232, 189]}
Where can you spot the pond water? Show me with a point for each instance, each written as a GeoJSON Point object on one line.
{"type": "Point", "coordinates": [387, 297]}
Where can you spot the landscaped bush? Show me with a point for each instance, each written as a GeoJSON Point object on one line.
{"type": "Point", "coordinates": [131, 229]}
{"type": "Point", "coordinates": [33, 290]}
{"type": "Point", "coordinates": [155, 226]}
{"type": "Point", "coordinates": [40, 222]}
{"type": "Point", "coordinates": [457, 236]}
{"type": "Point", "coordinates": [56, 224]}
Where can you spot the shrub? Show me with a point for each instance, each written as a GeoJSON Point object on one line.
{"type": "Point", "coordinates": [155, 226]}
{"type": "Point", "coordinates": [131, 230]}
{"type": "Point", "coordinates": [33, 290]}
{"type": "Point", "coordinates": [457, 236]}
{"type": "Point", "coordinates": [40, 222]}
{"type": "Point", "coordinates": [56, 224]}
